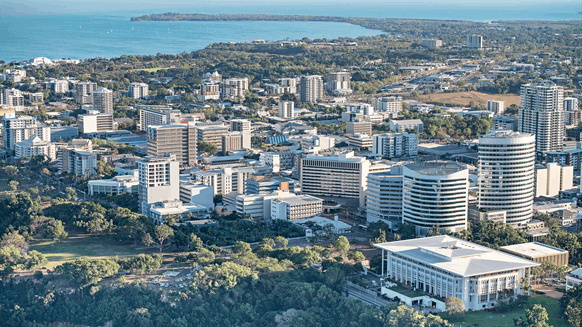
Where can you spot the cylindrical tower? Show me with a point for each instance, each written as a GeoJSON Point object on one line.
{"type": "Point", "coordinates": [506, 174]}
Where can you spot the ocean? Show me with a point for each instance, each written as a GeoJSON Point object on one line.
{"type": "Point", "coordinates": [112, 34]}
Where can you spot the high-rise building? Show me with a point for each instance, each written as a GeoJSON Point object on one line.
{"type": "Point", "coordinates": [77, 157]}
{"type": "Point", "coordinates": [496, 107]}
{"type": "Point", "coordinates": [286, 109]}
{"type": "Point", "coordinates": [395, 144]}
{"type": "Point", "coordinates": [359, 127]}
{"type": "Point", "coordinates": [289, 85]}
{"type": "Point", "coordinates": [33, 147]}
{"type": "Point", "coordinates": [95, 122]}
{"type": "Point", "coordinates": [570, 104]}
{"type": "Point", "coordinates": [338, 176]}
{"type": "Point", "coordinates": [541, 112]}
{"type": "Point", "coordinates": [138, 90]}
{"type": "Point", "coordinates": [435, 193]}
{"type": "Point", "coordinates": [178, 140]}
{"type": "Point", "coordinates": [12, 97]}
{"type": "Point", "coordinates": [552, 178]}
{"type": "Point", "coordinates": [210, 90]}
{"type": "Point", "coordinates": [391, 105]}
{"type": "Point", "coordinates": [506, 174]}
{"type": "Point", "coordinates": [234, 87]}
{"type": "Point", "coordinates": [18, 129]}
{"type": "Point", "coordinates": [236, 141]}
{"type": "Point", "coordinates": [240, 125]}
{"type": "Point", "coordinates": [384, 196]}
{"type": "Point", "coordinates": [59, 85]}
{"type": "Point", "coordinates": [339, 83]}
{"type": "Point", "coordinates": [148, 117]}
{"type": "Point", "coordinates": [311, 88]}
{"type": "Point", "coordinates": [474, 41]}
{"type": "Point", "coordinates": [432, 43]}
{"type": "Point", "coordinates": [159, 181]}
{"type": "Point", "coordinates": [504, 123]}
{"type": "Point", "coordinates": [84, 92]}
{"type": "Point", "coordinates": [212, 134]}
{"type": "Point", "coordinates": [103, 100]}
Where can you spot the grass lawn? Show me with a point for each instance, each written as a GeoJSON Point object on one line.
{"type": "Point", "coordinates": [86, 246]}
{"type": "Point", "coordinates": [149, 70]}
{"type": "Point", "coordinates": [493, 319]}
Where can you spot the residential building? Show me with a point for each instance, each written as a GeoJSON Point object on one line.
{"type": "Point", "coordinates": [571, 104]}
{"type": "Point", "coordinates": [504, 123]}
{"type": "Point", "coordinates": [395, 144]}
{"type": "Point", "coordinates": [573, 118]}
{"type": "Point", "coordinates": [178, 139]}
{"type": "Point", "coordinates": [474, 41]}
{"type": "Point", "coordinates": [117, 185]}
{"type": "Point", "coordinates": [552, 178]}
{"type": "Point", "coordinates": [266, 184]}
{"type": "Point", "coordinates": [496, 107]}
{"type": "Point", "coordinates": [289, 85]}
{"type": "Point", "coordinates": [476, 214]}
{"type": "Point", "coordinates": [506, 174]}
{"type": "Point", "coordinates": [212, 134]}
{"type": "Point", "coordinates": [138, 90]}
{"type": "Point", "coordinates": [287, 109]}
{"type": "Point", "coordinates": [432, 43]}
{"type": "Point", "coordinates": [103, 100]}
{"type": "Point", "coordinates": [384, 196]}
{"type": "Point", "coordinates": [360, 141]}
{"type": "Point", "coordinates": [227, 180]}
{"type": "Point", "coordinates": [35, 146]}
{"type": "Point", "coordinates": [77, 161]}
{"type": "Point", "coordinates": [391, 105]}
{"type": "Point", "coordinates": [18, 129]}
{"type": "Point", "coordinates": [541, 113]}
{"type": "Point", "coordinates": [212, 77]}
{"type": "Point", "coordinates": [359, 127]}
{"type": "Point", "coordinates": [95, 122]}
{"type": "Point", "coordinates": [435, 193]}
{"type": "Point", "coordinates": [159, 181]}
{"type": "Point", "coordinates": [14, 75]}
{"type": "Point", "coordinates": [339, 83]}
{"type": "Point", "coordinates": [258, 206]}
{"type": "Point", "coordinates": [297, 207]}
{"type": "Point", "coordinates": [311, 89]}
{"type": "Point", "coordinates": [279, 160]}
{"type": "Point", "coordinates": [35, 97]}
{"type": "Point", "coordinates": [210, 90]}
{"type": "Point", "coordinates": [570, 158]}
{"type": "Point", "coordinates": [240, 125]}
{"type": "Point", "coordinates": [444, 266]}
{"type": "Point", "coordinates": [197, 194]}
{"type": "Point", "coordinates": [148, 117]}
{"type": "Point", "coordinates": [84, 92]}
{"type": "Point", "coordinates": [342, 176]}
{"type": "Point", "coordinates": [403, 125]}
{"type": "Point", "coordinates": [538, 252]}
{"type": "Point", "coordinates": [12, 98]}
{"type": "Point", "coordinates": [59, 86]}
{"type": "Point", "coordinates": [234, 87]}
{"type": "Point", "coordinates": [236, 141]}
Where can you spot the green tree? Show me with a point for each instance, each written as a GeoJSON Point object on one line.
{"type": "Point", "coordinates": [34, 260]}
{"type": "Point", "coordinates": [341, 244]}
{"type": "Point", "coordinates": [356, 256]}
{"type": "Point", "coordinates": [281, 241]}
{"type": "Point", "coordinates": [242, 248]}
{"type": "Point", "coordinates": [85, 272]}
{"type": "Point", "coordinates": [163, 232]}
{"type": "Point", "coordinates": [13, 185]}
{"type": "Point", "coordinates": [207, 147]}
{"type": "Point", "coordinates": [455, 306]}
{"type": "Point", "coordinates": [404, 316]}
{"type": "Point", "coordinates": [537, 316]}
{"type": "Point", "coordinates": [71, 193]}
{"type": "Point", "coordinates": [196, 243]}
{"type": "Point", "coordinates": [56, 230]}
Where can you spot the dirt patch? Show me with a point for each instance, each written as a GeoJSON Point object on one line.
{"type": "Point", "coordinates": [464, 98]}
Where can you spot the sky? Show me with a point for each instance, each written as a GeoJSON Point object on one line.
{"type": "Point", "coordinates": [26, 7]}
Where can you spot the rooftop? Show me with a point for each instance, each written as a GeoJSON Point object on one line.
{"type": "Point", "coordinates": [456, 256]}
{"type": "Point", "coordinates": [436, 168]}
{"type": "Point", "coordinates": [533, 249]}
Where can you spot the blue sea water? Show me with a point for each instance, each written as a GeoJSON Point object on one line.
{"type": "Point", "coordinates": [112, 34]}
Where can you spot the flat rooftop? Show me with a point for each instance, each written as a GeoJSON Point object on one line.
{"type": "Point", "coordinates": [533, 249]}
{"type": "Point", "coordinates": [300, 199]}
{"type": "Point", "coordinates": [456, 256]}
{"type": "Point", "coordinates": [436, 168]}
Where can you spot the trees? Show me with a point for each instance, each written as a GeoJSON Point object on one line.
{"type": "Point", "coordinates": [207, 147]}
{"type": "Point", "coordinates": [85, 272]}
{"type": "Point", "coordinates": [71, 193]}
{"type": "Point", "coordinates": [13, 185]}
{"type": "Point", "coordinates": [11, 171]}
{"type": "Point", "coordinates": [196, 243]}
{"type": "Point", "coordinates": [356, 256]}
{"type": "Point", "coordinates": [56, 230]}
{"type": "Point", "coordinates": [534, 317]}
{"type": "Point", "coordinates": [163, 232]}
{"type": "Point", "coordinates": [281, 241]}
{"type": "Point", "coordinates": [341, 244]}
{"type": "Point", "coordinates": [454, 306]}
{"type": "Point", "coordinates": [242, 248]}
{"type": "Point", "coordinates": [404, 316]}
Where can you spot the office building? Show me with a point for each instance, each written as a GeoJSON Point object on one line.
{"type": "Point", "coordinates": [432, 43]}
{"type": "Point", "coordinates": [316, 143]}
{"type": "Point", "coordinates": [286, 109]}
{"type": "Point", "coordinates": [197, 193]}
{"type": "Point", "coordinates": [552, 178]}
{"type": "Point", "coordinates": [391, 105]}
{"type": "Point", "coordinates": [279, 160]}
{"type": "Point", "coordinates": [179, 140]}
{"type": "Point", "coordinates": [227, 180]}
{"type": "Point", "coordinates": [63, 133]}
{"type": "Point", "coordinates": [476, 214]}
{"type": "Point", "coordinates": [403, 125]}
{"type": "Point", "coordinates": [84, 92]}
{"type": "Point", "coordinates": [12, 98]}
{"type": "Point", "coordinates": [538, 252]}
{"type": "Point", "coordinates": [360, 141]}
{"type": "Point", "coordinates": [444, 266]}
{"type": "Point", "coordinates": [504, 123]}
{"type": "Point", "coordinates": [212, 134]}
{"type": "Point", "coordinates": [296, 207]}
{"type": "Point", "coordinates": [266, 184]}
{"type": "Point", "coordinates": [210, 90]}
{"type": "Point", "coordinates": [18, 129]}
{"type": "Point", "coordinates": [103, 100]}
{"type": "Point", "coordinates": [116, 185]}
{"type": "Point", "coordinates": [435, 193]}
{"type": "Point", "coordinates": [148, 117]}
{"type": "Point", "coordinates": [359, 127]}
{"type": "Point", "coordinates": [571, 104]}
{"type": "Point", "coordinates": [342, 177]}
{"type": "Point", "coordinates": [339, 83]}
{"type": "Point", "coordinates": [138, 90]}
{"type": "Point", "coordinates": [236, 141]}
{"type": "Point", "coordinates": [311, 89]}
{"type": "Point", "coordinates": [393, 145]}
{"type": "Point", "coordinates": [35, 146]}
{"type": "Point", "coordinates": [257, 206]}
{"type": "Point", "coordinates": [240, 125]}
{"type": "Point", "coordinates": [474, 41]}
{"type": "Point", "coordinates": [234, 87]}
{"type": "Point", "coordinates": [541, 112]}
{"type": "Point", "coordinates": [159, 181]}
{"type": "Point", "coordinates": [506, 174]}
{"type": "Point", "coordinates": [384, 196]}
{"type": "Point", "coordinates": [496, 107]}
{"type": "Point", "coordinates": [95, 122]}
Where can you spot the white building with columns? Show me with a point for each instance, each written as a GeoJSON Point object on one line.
{"type": "Point", "coordinates": [443, 266]}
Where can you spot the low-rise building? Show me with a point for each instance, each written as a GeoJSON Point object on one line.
{"type": "Point", "coordinates": [538, 252]}
{"type": "Point", "coordinates": [476, 214]}
{"type": "Point", "coordinates": [360, 141]}
{"type": "Point", "coordinates": [267, 184]}
{"type": "Point", "coordinates": [33, 147]}
{"type": "Point", "coordinates": [574, 279]}
{"type": "Point", "coordinates": [359, 127]}
{"type": "Point", "coordinates": [116, 185]}
{"type": "Point", "coordinates": [297, 207]}
{"type": "Point", "coordinates": [236, 141]}
{"type": "Point", "coordinates": [403, 125]}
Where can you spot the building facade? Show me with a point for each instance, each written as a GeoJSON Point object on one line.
{"type": "Point", "coordinates": [286, 109]}
{"type": "Point", "coordinates": [393, 145]}
{"type": "Point", "coordinates": [95, 123]}
{"type": "Point", "coordinates": [148, 117]}
{"type": "Point", "coordinates": [179, 140]}
{"type": "Point", "coordinates": [18, 129]}
{"type": "Point", "coordinates": [33, 147]}
{"type": "Point", "coordinates": [103, 100]}
{"type": "Point", "coordinates": [311, 89]}
{"type": "Point", "coordinates": [474, 41]}
{"type": "Point", "coordinates": [240, 125]}
{"type": "Point", "coordinates": [138, 90]}
{"type": "Point", "coordinates": [496, 107]}
{"type": "Point", "coordinates": [84, 92]}
{"type": "Point", "coordinates": [384, 196]}
{"type": "Point", "coordinates": [159, 181]}
{"type": "Point", "coordinates": [339, 83]}
{"type": "Point", "coordinates": [391, 105]}
{"type": "Point", "coordinates": [212, 134]}
{"type": "Point", "coordinates": [236, 141]}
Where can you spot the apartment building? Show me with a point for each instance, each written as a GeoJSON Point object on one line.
{"type": "Point", "coordinates": [14, 75]}
{"type": "Point", "coordinates": [240, 125]}
{"type": "Point", "coordinates": [212, 134]}
{"type": "Point", "coordinates": [151, 116]}
{"type": "Point", "coordinates": [95, 122]}
{"type": "Point", "coordinates": [311, 89]}
{"type": "Point", "coordinates": [210, 90]}
{"type": "Point", "coordinates": [339, 83]}
{"type": "Point", "coordinates": [359, 127]}
{"type": "Point", "coordinates": [287, 109]}
{"type": "Point", "coordinates": [552, 178]}
{"type": "Point", "coordinates": [59, 86]}
{"type": "Point", "coordinates": [103, 100]}
{"type": "Point", "coordinates": [504, 123]}
{"type": "Point", "coordinates": [18, 129]}
{"type": "Point", "coordinates": [12, 98]}
{"type": "Point", "coordinates": [33, 147]}
{"type": "Point", "coordinates": [474, 41]}
{"type": "Point", "coordinates": [393, 145]}
{"type": "Point", "coordinates": [236, 141]}
{"type": "Point", "coordinates": [496, 107]}
{"type": "Point", "coordinates": [227, 180]}
{"type": "Point", "coordinates": [297, 207]}
{"type": "Point", "coordinates": [360, 141]}
{"type": "Point", "coordinates": [391, 105]}
{"type": "Point", "coordinates": [432, 43]}
{"type": "Point", "coordinates": [234, 87]}
{"type": "Point", "coordinates": [178, 139]}
{"type": "Point", "coordinates": [403, 125]}
{"type": "Point", "coordinates": [384, 196]}
{"type": "Point", "coordinates": [342, 177]}
{"type": "Point", "coordinates": [159, 181]}
{"type": "Point", "coordinates": [84, 92]}
{"type": "Point", "coordinates": [77, 158]}
{"type": "Point", "coordinates": [571, 104]}
{"type": "Point", "coordinates": [279, 160]}
{"type": "Point", "coordinates": [138, 90]}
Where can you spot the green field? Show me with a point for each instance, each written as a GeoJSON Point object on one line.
{"type": "Point", "coordinates": [149, 70]}
{"type": "Point", "coordinates": [492, 319]}
{"type": "Point", "coordinates": [86, 246]}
